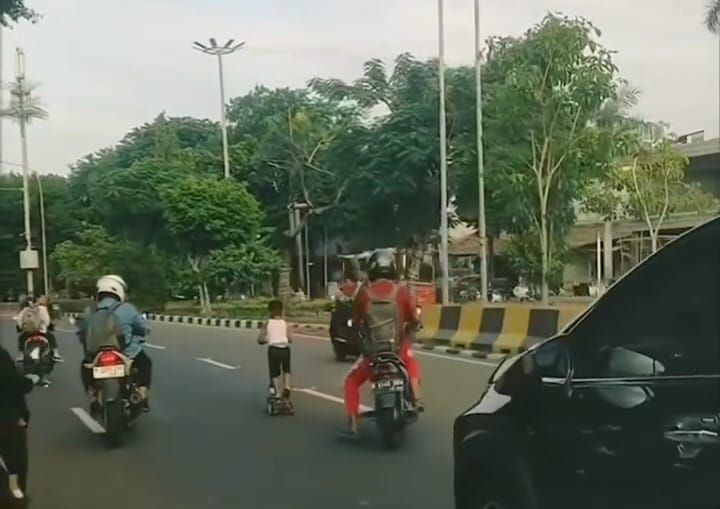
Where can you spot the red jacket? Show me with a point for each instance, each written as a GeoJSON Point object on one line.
{"type": "Point", "coordinates": [382, 288]}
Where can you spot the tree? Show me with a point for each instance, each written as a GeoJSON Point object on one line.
{"type": "Point", "coordinates": [289, 147]}
{"type": "Point", "coordinates": [544, 91]}
{"type": "Point", "coordinates": [649, 186]}
{"type": "Point", "coordinates": [712, 16]}
{"type": "Point", "coordinates": [210, 220]}
{"type": "Point", "coordinates": [94, 252]}
{"type": "Point", "coordinates": [12, 11]}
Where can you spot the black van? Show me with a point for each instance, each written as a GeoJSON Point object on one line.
{"type": "Point", "coordinates": [620, 410]}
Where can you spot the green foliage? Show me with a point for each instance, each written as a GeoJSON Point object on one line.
{"type": "Point", "coordinates": [525, 258]}
{"type": "Point", "coordinates": [12, 11]}
{"type": "Point", "coordinates": [94, 253]}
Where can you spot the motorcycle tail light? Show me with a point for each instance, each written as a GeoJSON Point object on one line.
{"type": "Point", "coordinates": [110, 358]}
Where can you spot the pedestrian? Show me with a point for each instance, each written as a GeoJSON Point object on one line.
{"type": "Point", "coordinates": [14, 420]}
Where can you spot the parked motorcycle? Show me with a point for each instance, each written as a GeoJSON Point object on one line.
{"type": "Point", "coordinates": [394, 408]}
{"type": "Point", "coordinates": [119, 402]}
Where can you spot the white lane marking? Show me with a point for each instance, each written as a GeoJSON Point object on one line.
{"type": "Point", "coordinates": [156, 347]}
{"type": "Point", "coordinates": [328, 397]}
{"type": "Point", "coordinates": [66, 330]}
{"type": "Point", "coordinates": [88, 421]}
{"type": "Point", "coordinates": [456, 357]}
{"type": "Point", "coordinates": [216, 363]}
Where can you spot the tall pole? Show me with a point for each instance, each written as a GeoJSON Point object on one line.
{"type": "Point", "coordinates": [2, 96]}
{"type": "Point", "coordinates": [219, 51]}
{"type": "Point", "coordinates": [308, 259]}
{"type": "Point", "coordinates": [46, 279]}
{"type": "Point", "coordinates": [444, 262]}
{"type": "Point", "coordinates": [23, 140]}
{"type": "Point", "coordinates": [223, 123]}
{"type": "Point", "coordinates": [482, 228]}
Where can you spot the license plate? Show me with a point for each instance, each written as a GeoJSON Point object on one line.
{"type": "Point", "coordinates": [390, 385]}
{"type": "Point", "coordinates": [102, 372]}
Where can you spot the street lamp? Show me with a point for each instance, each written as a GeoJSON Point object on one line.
{"type": "Point", "coordinates": [219, 51]}
{"type": "Point", "coordinates": [482, 228]}
{"type": "Point", "coordinates": [444, 261]}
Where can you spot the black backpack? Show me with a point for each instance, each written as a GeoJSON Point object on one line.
{"type": "Point", "coordinates": [102, 328]}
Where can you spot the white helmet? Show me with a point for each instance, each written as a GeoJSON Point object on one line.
{"type": "Point", "coordinates": [112, 284]}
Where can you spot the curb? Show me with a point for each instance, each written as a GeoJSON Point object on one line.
{"type": "Point", "coordinates": [229, 323]}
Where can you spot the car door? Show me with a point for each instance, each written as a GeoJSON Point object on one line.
{"type": "Point", "coordinates": [644, 393]}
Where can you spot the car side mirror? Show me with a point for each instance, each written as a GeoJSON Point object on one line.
{"type": "Point", "coordinates": [552, 363]}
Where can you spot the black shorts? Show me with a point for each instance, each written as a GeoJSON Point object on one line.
{"type": "Point", "coordinates": [278, 360]}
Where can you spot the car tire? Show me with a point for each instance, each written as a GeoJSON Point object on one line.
{"type": "Point", "coordinates": [340, 353]}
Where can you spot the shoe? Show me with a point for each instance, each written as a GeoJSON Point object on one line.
{"type": "Point", "coordinates": [57, 357]}
{"type": "Point", "coordinates": [286, 394]}
{"type": "Point", "coordinates": [44, 382]}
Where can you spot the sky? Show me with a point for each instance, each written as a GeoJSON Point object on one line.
{"type": "Point", "coordinates": [104, 66]}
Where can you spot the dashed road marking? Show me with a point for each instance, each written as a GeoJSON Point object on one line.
{"type": "Point", "coordinates": [156, 347]}
{"type": "Point", "coordinates": [216, 363]}
{"type": "Point", "coordinates": [88, 421]}
{"type": "Point", "coordinates": [311, 391]}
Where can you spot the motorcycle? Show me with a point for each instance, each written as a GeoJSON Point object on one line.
{"type": "Point", "coordinates": [37, 358]}
{"type": "Point", "coordinates": [119, 402]}
{"type": "Point", "coordinates": [392, 393]}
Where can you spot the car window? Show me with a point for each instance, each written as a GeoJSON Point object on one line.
{"type": "Point", "coordinates": [662, 321]}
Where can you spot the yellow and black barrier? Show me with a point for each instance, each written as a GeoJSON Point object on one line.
{"type": "Point", "coordinates": [505, 329]}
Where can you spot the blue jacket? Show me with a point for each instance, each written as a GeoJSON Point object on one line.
{"type": "Point", "coordinates": [134, 326]}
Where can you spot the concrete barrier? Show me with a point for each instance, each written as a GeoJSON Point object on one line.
{"type": "Point", "coordinates": [504, 329]}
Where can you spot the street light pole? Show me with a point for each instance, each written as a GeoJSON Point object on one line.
{"type": "Point", "coordinates": [219, 52]}
{"type": "Point", "coordinates": [482, 229]}
{"type": "Point", "coordinates": [444, 262]}
{"type": "Point", "coordinates": [46, 280]}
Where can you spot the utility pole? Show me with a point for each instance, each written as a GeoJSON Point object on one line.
{"type": "Point", "coordinates": [444, 261]}
{"type": "Point", "coordinates": [219, 52]}
{"type": "Point", "coordinates": [28, 258]}
{"type": "Point", "coordinates": [482, 228]}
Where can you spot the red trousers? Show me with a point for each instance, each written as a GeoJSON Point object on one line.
{"type": "Point", "coordinates": [361, 371]}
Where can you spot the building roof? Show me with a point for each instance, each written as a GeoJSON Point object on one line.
{"type": "Point", "coordinates": [585, 232]}
{"type": "Point", "coordinates": [700, 148]}
{"type": "Point", "coordinates": [469, 245]}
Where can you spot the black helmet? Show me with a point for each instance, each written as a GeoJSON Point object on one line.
{"type": "Point", "coordinates": [382, 265]}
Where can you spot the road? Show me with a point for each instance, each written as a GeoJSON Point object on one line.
{"type": "Point", "coordinates": [209, 444]}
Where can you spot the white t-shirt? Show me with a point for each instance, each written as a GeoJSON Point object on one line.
{"type": "Point", "coordinates": [276, 333]}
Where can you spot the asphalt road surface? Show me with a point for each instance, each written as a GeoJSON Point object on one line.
{"type": "Point", "coordinates": [208, 443]}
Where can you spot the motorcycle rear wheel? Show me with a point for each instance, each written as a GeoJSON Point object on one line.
{"type": "Point", "coordinates": [115, 423]}
{"type": "Point", "coordinates": [390, 430]}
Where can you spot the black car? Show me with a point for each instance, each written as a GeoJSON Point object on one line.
{"type": "Point", "coordinates": [621, 410]}
{"type": "Point", "coordinates": [344, 340]}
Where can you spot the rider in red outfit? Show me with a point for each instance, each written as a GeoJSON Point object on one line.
{"type": "Point", "coordinates": [382, 275]}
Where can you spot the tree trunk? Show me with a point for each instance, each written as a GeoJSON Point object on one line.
{"type": "Point", "coordinates": [654, 240]}
{"type": "Point", "coordinates": [545, 265]}
{"type": "Point", "coordinates": [207, 297]}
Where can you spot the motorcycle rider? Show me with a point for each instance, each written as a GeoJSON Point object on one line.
{"type": "Point", "coordinates": [383, 284]}
{"type": "Point", "coordinates": [47, 326]}
{"type": "Point", "coordinates": [14, 419]}
{"type": "Point", "coordinates": [110, 295]}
